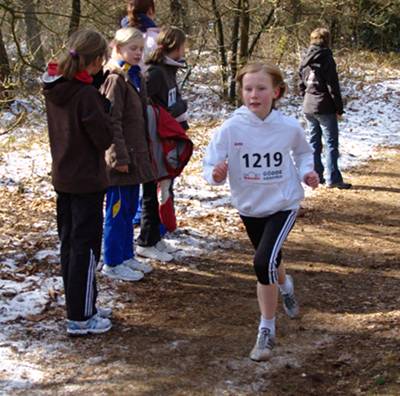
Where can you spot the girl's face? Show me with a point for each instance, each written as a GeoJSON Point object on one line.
{"type": "Point", "coordinates": [258, 93]}
{"type": "Point", "coordinates": [178, 53]}
{"type": "Point", "coordinates": [131, 52]}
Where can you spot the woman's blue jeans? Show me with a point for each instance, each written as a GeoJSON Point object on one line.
{"type": "Point", "coordinates": [325, 126]}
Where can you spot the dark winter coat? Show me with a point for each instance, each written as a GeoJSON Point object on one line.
{"type": "Point", "coordinates": [319, 83]}
{"type": "Point", "coordinates": [163, 90]}
{"type": "Point", "coordinates": [79, 134]}
{"type": "Point", "coordinates": [130, 145]}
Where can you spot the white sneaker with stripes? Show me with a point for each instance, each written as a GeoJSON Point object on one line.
{"type": "Point", "coordinates": [95, 325]}
{"type": "Point", "coordinates": [265, 343]}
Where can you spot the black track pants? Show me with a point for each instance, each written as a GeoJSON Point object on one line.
{"type": "Point", "coordinates": [150, 219]}
{"type": "Point", "coordinates": [80, 225]}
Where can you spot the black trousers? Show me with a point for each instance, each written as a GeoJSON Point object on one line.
{"type": "Point", "coordinates": [267, 234]}
{"type": "Point", "coordinates": [80, 226]}
{"type": "Point", "coordinates": [150, 218]}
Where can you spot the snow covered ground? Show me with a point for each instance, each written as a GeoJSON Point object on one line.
{"type": "Point", "coordinates": [372, 119]}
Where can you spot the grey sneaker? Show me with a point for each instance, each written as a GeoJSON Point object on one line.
{"type": "Point", "coordinates": [264, 345]}
{"type": "Point", "coordinates": [290, 304]}
{"type": "Point", "coordinates": [137, 265]}
{"type": "Point", "coordinates": [152, 252]}
{"type": "Point", "coordinates": [95, 325]}
{"type": "Point", "coordinates": [121, 272]}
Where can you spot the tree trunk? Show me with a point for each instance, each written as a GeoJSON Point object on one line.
{"type": "Point", "coordinates": [234, 49]}
{"type": "Point", "coordinates": [75, 17]}
{"type": "Point", "coordinates": [4, 62]}
{"type": "Point", "coordinates": [184, 15]}
{"type": "Point", "coordinates": [33, 34]}
{"type": "Point", "coordinates": [244, 32]}
{"type": "Point", "coordinates": [219, 30]}
{"type": "Point", "coordinates": [4, 70]}
{"type": "Point", "coordinates": [178, 14]}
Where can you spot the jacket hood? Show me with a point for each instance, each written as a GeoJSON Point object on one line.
{"type": "Point", "coordinates": [315, 53]}
{"type": "Point", "coordinates": [247, 117]}
{"type": "Point", "coordinates": [172, 62]}
{"type": "Point", "coordinates": [59, 90]}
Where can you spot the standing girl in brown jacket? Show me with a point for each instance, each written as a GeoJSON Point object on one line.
{"type": "Point", "coordinates": [79, 134]}
{"type": "Point", "coordinates": [128, 159]}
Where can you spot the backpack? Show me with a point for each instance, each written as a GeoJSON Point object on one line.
{"type": "Point", "coordinates": [171, 151]}
{"type": "Point", "coordinates": [171, 147]}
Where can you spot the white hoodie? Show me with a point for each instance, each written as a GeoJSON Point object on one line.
{"type": "Point", "coordinates": [267, 160]}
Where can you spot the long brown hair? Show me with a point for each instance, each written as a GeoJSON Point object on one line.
{"type": "Point", "coordinates": [136, 7]}
{"type": "Point", "coordinates": [169, 39]}
{"type": "Point", "coordinates": [83, 48]}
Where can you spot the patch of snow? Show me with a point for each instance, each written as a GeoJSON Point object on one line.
{"type": "Point", "coordinates": [51, 255]}
{"type": "Point", "coordinates": [18, 373]}
{"type": "Point", "coordinates": [26, 298]}
{"type": "Point", "coordinates": [8, 264]}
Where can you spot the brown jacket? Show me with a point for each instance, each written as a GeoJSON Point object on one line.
{"type": "Point", "coordinates": [79, 134]}
{"type": "Point", "coordinates": [130, 145]}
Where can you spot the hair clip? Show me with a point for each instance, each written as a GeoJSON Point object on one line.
{"type": "Point", "coordinates": [73, 53]}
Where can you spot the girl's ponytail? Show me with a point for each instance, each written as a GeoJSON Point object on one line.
{"type": "Point", "coordinates": [83, 47]}
{"type": "Point", "coordinates": [169, 39]}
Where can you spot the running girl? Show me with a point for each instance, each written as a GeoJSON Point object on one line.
{"type": "Point", "coordinates": [266, 157]}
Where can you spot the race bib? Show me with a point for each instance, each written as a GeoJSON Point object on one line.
{"type": "Point", "coordinates": [263, 167]}
{"type": "Point", "coordinates": [171, 97]}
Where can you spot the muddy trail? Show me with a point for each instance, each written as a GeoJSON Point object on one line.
{"type": "Point", "coordinates": [188, 328]}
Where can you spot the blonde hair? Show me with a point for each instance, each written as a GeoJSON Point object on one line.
{"type": "Point", "coordinates": [83, 48]}
{"type": "Point", "coordinates": [125, 35]}
{"type": "Point", "coordinates": [169, 39]}
{"type": "Point", "coordinates": [272, 70]}
{"type": "Point", "coordinates": [320, 36]}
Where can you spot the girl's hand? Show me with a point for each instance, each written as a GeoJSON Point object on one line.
{"type": "Point", "coordinates": [122, 168]}
{"type": "Point", "coordinates": [312, 179]}
{"type": "Point", "coordinates": [220, 172]}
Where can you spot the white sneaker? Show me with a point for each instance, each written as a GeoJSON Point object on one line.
{"type": "Point", "coordinates": [290, 304]}
{"type": "Point", "coordinates": [164, 246]}
{"type": "Point", "coordinates": [94, 325]}
{"type": "Point", "coordinates": [264, 345]}
{"type": "Point", "coordinates": [153, 253]}
{"type": "Point", "coordinates": [104, 312]}
{"type": "Point", "coordinates": [137, 265]}
{"type": "Point", "coordinates": [122, 273]}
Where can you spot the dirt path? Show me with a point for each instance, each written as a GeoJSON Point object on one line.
{"type": "Point", "coordinates": [188, 328]}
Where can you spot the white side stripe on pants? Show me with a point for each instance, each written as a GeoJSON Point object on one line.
{"type": "Point", "coordinates": [287, 226]}
{"type": "Point", "coordinates": [89, 285]}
